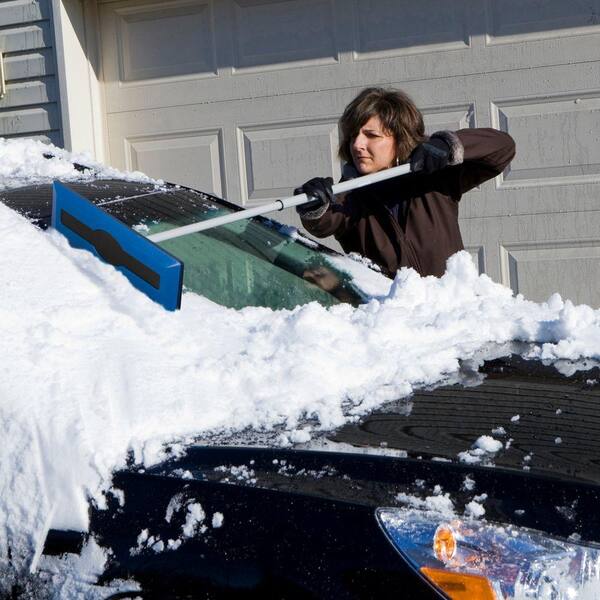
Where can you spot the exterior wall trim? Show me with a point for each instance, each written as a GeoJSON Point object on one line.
{"type": "Point", "coordinates": [79, 76]}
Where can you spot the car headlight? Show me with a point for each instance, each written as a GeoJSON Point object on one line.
{"type": "Point", "coordinates": [477, 559]}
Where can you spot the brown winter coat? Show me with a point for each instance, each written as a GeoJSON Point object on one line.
{"type": "Point", "coordinates": [425, 231]}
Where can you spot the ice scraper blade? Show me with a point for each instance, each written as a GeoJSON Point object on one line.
{"type": "Point", "coordinates": [148, 267]}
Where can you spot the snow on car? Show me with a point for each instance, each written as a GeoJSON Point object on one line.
{"type": "Point", "coordinates": [277, 337]}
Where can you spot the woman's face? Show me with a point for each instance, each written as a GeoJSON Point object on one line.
{"type": "Point", "coordinates": [373, 149]}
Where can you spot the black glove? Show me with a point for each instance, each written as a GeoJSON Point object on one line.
{"type": "Point", "coordinates": [432, 155]}
{"type": "Point", "coordinates": [320, 191]}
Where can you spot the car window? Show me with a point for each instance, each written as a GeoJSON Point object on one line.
{"type": "Point", "coordinates": [248, 263]}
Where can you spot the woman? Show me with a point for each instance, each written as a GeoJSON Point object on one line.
{"type": "Point", "coordinates": [410, 221]}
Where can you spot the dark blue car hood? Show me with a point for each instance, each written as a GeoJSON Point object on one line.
{"type": "Point", "coordinates": [551, 421]}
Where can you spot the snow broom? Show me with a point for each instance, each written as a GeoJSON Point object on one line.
{"type": "Point", "coordinates": [338, 188]}
{"type": "Point", "coordinates": [148, 267]}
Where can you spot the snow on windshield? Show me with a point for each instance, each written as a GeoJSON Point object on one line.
{"type": "Point", "coordinates": [91, 369]}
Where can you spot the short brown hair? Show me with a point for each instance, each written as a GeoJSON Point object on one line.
{"type": "Point", "coordinates": [397, 113]}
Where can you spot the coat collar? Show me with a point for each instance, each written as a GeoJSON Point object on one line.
{"type": "Point", "coordinates": [349, 172]}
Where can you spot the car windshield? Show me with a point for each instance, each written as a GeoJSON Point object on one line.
{"type": "Point", "coordinates": [247, 263]}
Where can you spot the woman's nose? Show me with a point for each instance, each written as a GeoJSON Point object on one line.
{"type": "Point", "coordinates": [359, 142]}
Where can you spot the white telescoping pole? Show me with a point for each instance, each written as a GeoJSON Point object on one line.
{"type": "Point", "coordinates": [338, 188]}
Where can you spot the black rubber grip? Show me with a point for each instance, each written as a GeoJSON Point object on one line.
{"type": "Point", "coordinates": [109, 249]}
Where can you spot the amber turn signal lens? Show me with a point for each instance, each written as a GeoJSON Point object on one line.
{"type": "Point", "coordinates": [460, 586]}
{"type": "Point", "coordinates": [444, 543]}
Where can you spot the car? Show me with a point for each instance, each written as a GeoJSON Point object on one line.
{"type": "Point", "coordinates": [486, 487]}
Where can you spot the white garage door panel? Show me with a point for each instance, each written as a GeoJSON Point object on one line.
{"type": "Point", "coordinates": [449, 118]}
{"type": "Point", "coordinates": [195, 158]}
{"type": "Point", "coordinates": [276, 158]}
{"type": "Point", "coordinates": [514, 20]}
{"type": "Point", "coordinates": [190, 51]}
{"type": "Point", "coordinates": [538, 256]}
{"type": "Point", "coordinates": [558, 139]}
{"type": "Point", "coordinates": [477, 253]}
{"type": "Point", "coordinates": [143, 45]}
{"type": "Point", "coordinates": [385, 27]}
{"type": "Point", "coordinates": [283, 32]}
{"type": "Point", "coordinates": [537, 270]}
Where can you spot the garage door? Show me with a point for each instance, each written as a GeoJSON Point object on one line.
{"type": "Point", "coordinates": [242, 97]}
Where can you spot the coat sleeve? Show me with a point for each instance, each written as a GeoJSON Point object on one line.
{"type": "Point", "coordinates": [334, 221]}
{"type": "Point", "coordinates": [487, 152]}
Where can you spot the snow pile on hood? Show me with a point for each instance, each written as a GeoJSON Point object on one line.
{"type": "Point", "coordinates": [22, 162]}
